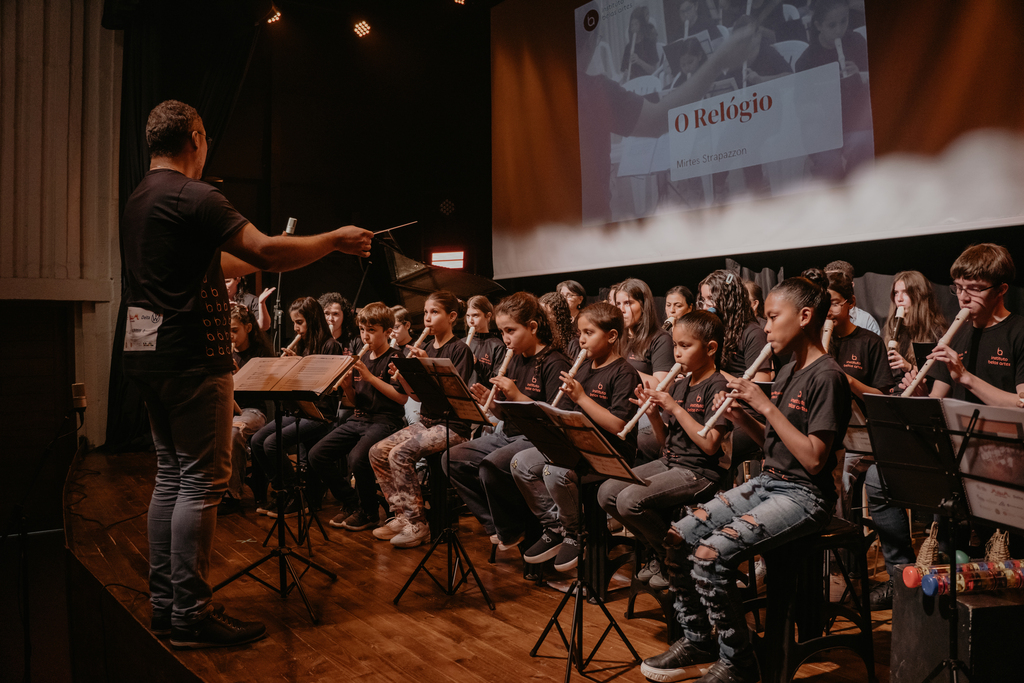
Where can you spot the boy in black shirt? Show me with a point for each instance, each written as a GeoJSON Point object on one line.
{"type": "Point", "coordinates": [690, 467]}
{"type": "Point", "coordinates": [379, 409]}
{"type": "Point", "coordinates": [983, 363]}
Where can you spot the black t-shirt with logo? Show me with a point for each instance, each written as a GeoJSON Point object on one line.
{"type": "Point", "coordinates": [368, 397]}
{"type": "Point", "coordinates": [172, 230]}
{"type": "Point", "coordinates": [538, 377]}
{"type": "Point", "coordinates": [813, 399]}
{"type": "Point", "coordinates": [459, 354]}
{"type": "Point", "coordinates": [489, 350]}
{"type": "Point", "coordinates": [862, 355]}
{"type": "Point", "coordinates": [679, 449]}
{"type": "Point", "coordinates": [658, 357]}
{"type": "Point", "coordinates": [611, 387]}
{"type": "Point", "coordinates": [994, 354]}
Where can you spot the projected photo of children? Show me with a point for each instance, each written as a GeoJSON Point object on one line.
{"type": "Point", "coordinates": [637, 62]}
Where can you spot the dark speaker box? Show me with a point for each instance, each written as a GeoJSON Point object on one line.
{"type": "Point", "coordinates": [988, 625]}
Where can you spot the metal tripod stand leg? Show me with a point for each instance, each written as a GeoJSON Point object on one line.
{"type": "Point", "coordinates": [458, 559]}
{"type": "Point", "coordinates": [578, 591]}
{"type": "Point", "coordinates": [282, 552]}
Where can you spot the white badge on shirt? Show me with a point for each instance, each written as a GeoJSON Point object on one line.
{"type": "Point", "coordinates": [141, 329]}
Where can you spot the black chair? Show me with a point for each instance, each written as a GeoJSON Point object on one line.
{"type": "Point", "coordinates": [799, 616]}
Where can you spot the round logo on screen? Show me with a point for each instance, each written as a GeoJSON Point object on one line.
{"type": "Point", "coordinates": [590, 20]}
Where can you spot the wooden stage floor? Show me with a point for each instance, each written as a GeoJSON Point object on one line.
{"type": "Point", "coordinates": [429, 637]}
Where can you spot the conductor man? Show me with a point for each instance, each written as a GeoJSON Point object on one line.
{"type": "Point", "coordinates": [181, 239]}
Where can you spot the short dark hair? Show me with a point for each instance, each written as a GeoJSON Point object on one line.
{"type": "Point", "coordinates": [706, 327]}
{"type": "Point", "coordinates": [844, 267]}
{"type": "Point", "coordinates": [606, 317]}
{"type": "Point", "coordinates": [168, 128]}
{"type": "Point", "coordinates": [987, 261]}
{"type": "Point", "coordinates": [376, 313]}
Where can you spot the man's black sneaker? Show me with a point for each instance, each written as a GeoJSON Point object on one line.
{"type": "Point", "coordinates": [731, 672]}
{"type": "Point", "coordinates": [160, 626]}
{"type": "Point", "coordinates": [569, 554]}
{"type": "Point", "coordinates": [545, 548]}
{"type": "Point", "coordinates": [881, 596]}
{"type": "Point", "coordinates": [682, 661]}
{"type": "Point", "coordinates": [216, 629]}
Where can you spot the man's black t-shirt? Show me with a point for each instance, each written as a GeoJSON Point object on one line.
{"type": "Point", "coordinates": [657, 358]}
{"type": "Point", "coordinates": [854, 93]}
{"type": "Point", "coordinates": [172, 230]}
{"type": "Point", "coordinates": [752, 341]}
{"type": "Point", "coordinates": [679, 449]}
{"type": "Point", "coordinates": [368, 398]}
{"type": "Point", "coordinates": [538, 377]}
{"type": "Point", "coordinates": [994, 354]}
{"type": "Point", "coordinates": [611, 387]}
{"type": "Point", "coordinates": [862, 355]}
{"type": "Point", "coordinates": [814, 399]}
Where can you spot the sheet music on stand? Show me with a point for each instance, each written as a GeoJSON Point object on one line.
{"type": "Point", "coordinates": [951, 448]}
{"type": "Point", "coordinates": [295, 381]}
{"type": "Point", "coordinates": [437, 383]}
{"type": "Point", "coordinates": [992, 464]}
{"type": "Point", "coordinates": [565, 437]}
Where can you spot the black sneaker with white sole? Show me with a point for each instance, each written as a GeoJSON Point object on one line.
{"type": "Point", "coordinates": [682, 661]}
{"type": "Point", "coordinates": [216, 629]}
{"type": "Point", "coordinates": [568, 555]}
{"type": "Point", "coordinates": [545, 548]}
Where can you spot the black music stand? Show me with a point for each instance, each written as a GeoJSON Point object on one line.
{"type": "Point", "coordinates": [920, 457]}
{"type": "Point", "coordinates": [570, 440]}
{"type": "Point", "coordinates": [438, 384]}
{"type": "Point", "coordinates": [294, 391]}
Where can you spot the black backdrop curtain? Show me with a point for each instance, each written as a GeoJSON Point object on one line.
{"type": "Point", "coordinates": [189, 50]}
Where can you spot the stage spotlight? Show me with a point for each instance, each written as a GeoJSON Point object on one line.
{"type": "Point", "coordinates": [460, 2]}
{"type": "Point", "coordinates": [275, 14]}
{"type": "Point", "coordinates": [448, 259]}
{"type": "Point", "coordinates": [447, 207]}
{"type": "Point", "coordinates": [362, 29]}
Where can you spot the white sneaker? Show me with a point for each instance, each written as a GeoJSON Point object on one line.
{"type": "Point", "coordinates": [391, 528]}
{"type": "Point", "coordinates": [411, 536]}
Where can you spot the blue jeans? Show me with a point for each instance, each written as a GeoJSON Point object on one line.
{"type": "Point", "coordinates": [481, 472]}
{"type": "Point", "coordinates": [891, 522]}
{"type": "Point", "coordinates": [782, 511]}
{"type": "Point", "coordinates": [352, 442]}
{"type": "Point", "coordinates": [647, 510]}
{"type": "Point", "coordinates": [190, 417]}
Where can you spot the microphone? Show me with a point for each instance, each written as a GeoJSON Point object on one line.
{"type": "Point", "coordinates": [292, 222]}
{"type": "Point", "coordinates": [78, 397]}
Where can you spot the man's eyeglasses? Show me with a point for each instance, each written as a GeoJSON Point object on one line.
{"type": "Point", "coordinates": [970, 290]}
{"type": "Point", "coordinates": [705, 304]}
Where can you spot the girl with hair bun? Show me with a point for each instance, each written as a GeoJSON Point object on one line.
{"type": "Point", "coordinates": [805, 421]}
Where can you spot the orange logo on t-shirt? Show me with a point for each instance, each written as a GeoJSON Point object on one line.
{"type": "Point", "coordinates": [999, 359]}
